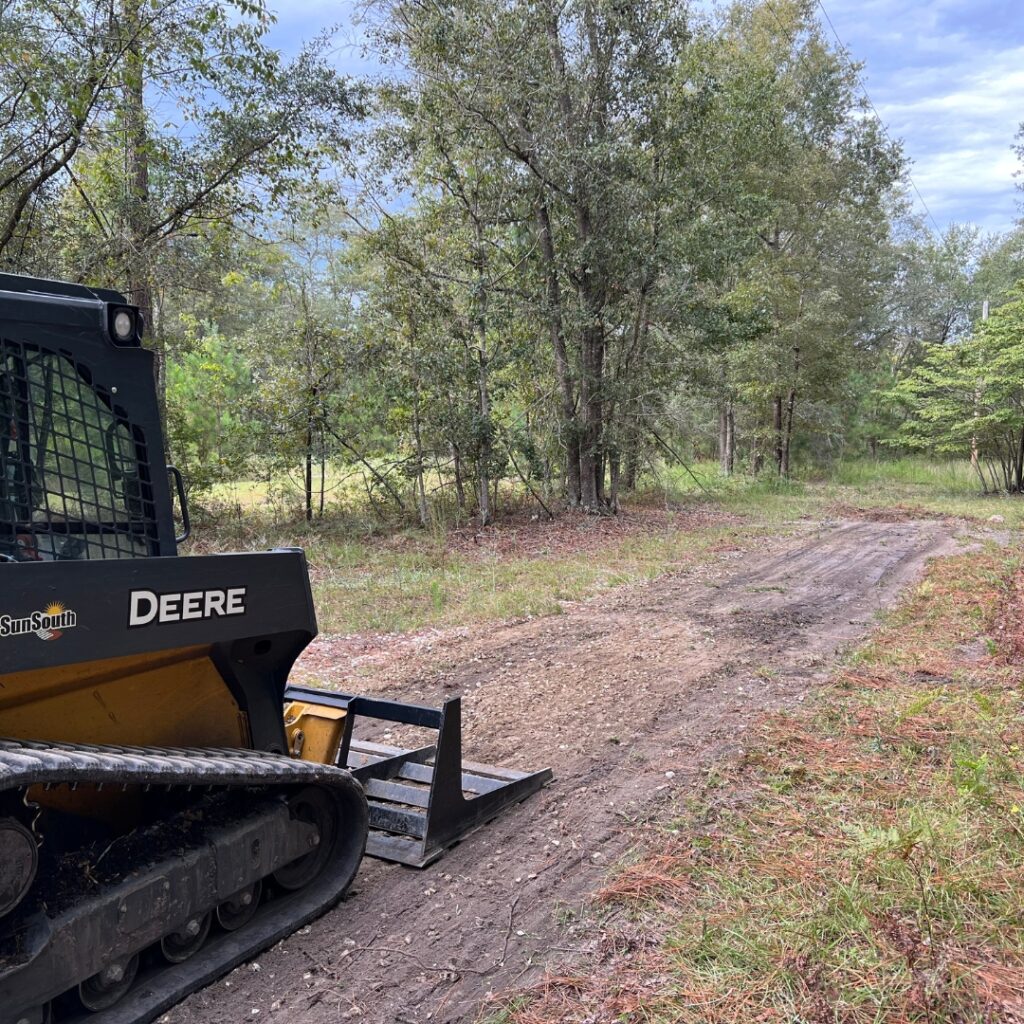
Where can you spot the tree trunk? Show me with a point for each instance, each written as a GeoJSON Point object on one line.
{"type": "Point", "coordinates": [974, 437]}
{"type": "Point", "coordinates": [730, 439]}
{"type": "Point", "coordinates": [632, 455]}
{"type": "Point", "coordinates": [309, 470]}
{"type": "Point", "coordinates": [787, 444]}
{"type": "Point", "coordinates": [600, 447]}
{"type": "Point", "coordinates": [590, 403]}
{"type": "Point", "coordinates": [756, 452]}
{"type": "Point", "coordinates": [136, 158]}
{"type": "Point", "coordinates": [790, 406]}
{"type": "Point", "coordinates": [553, 302]}
{"type": "Point", "coordinates": [629, 434]}
{"type": "Point", "coordinates": [777, 429]}
{"type": "Point", "coordinates": [323, 475]}
{"type": "Point", "coordinates": [614, 463]}
{"type": "Point", "coordinates": [981, 476]}
{"type": "Point", "coordinates": [1019, 467]}
{"type": "Point", "coordinates": [419, 485]}
{"type": "Point", "coordinates": [723, 440]}
{"type": "Point", "coordinates": [483, 461]}
{"type": "Point", "coordinates": [460, 488]}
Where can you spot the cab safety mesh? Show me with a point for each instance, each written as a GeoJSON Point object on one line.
{"type": "Point", "coordinates": [74, 476]}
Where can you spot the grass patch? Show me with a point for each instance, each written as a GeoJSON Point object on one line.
{"type": "Point", "coordinates": [370, 579]}
{"type": "Point", "coordinates": [914, 484]}
{"type": "Point", "coordinates": [864, 862]}
{"type": "Point", "coordinates": [411, 579]}
{"type": "Point", "coordinates": [401, 591]}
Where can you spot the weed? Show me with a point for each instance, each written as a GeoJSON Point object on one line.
{"type": "Point", "coordinates": [508, 1012]}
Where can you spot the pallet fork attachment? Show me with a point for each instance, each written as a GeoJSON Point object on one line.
{"type": "Point", "coordinates": [425, 799]}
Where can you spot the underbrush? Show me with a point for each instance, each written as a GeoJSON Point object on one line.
{"type": "Point", "coordinates": [946, 476]}
{"type": "Point", "coordinates": [941, 486]}
{"type": "Point", "coordinates": [863, 861]}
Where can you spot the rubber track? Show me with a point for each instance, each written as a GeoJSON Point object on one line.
{"type": "Point", "coordinates": [29, 762]}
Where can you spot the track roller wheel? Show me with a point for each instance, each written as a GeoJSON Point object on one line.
{"type": "Point", "coordinates": [19, 859]}
{"type": "Point", "coordinates": [316, 807]}
{"type": "Point", "coordinates": [232, 914]}
{"type": "Point", "coordinates": [104, 989]}
{"type": "Point", "coordinates": [187, 940]}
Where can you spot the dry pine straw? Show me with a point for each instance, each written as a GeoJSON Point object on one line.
{"type": "Point", "coordinates": [862, 863]}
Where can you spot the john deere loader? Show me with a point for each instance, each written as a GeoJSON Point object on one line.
{"type": "Point", "coordinates": [169, 804]}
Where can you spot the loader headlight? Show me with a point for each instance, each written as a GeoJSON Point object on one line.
{"type": "Point", "coordinates": [124, 324]}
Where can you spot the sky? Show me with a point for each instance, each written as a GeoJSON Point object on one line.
{"type": "Point", "coordinates": [946, 76]}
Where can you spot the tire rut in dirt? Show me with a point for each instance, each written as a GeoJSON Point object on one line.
{"type": "Point", "coordinates": [615, 694]}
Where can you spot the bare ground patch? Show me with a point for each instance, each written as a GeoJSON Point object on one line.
{"type": "Point", "coordinates": [629, 697]}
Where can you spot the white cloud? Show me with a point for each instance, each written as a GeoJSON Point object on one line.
{"type": "Point", "coordinates": [947, 76]}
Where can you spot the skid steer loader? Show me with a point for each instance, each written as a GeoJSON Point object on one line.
{"type": "Point", "coordinates": [169, 804]}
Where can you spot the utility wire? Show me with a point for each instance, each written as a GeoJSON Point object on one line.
{"type": "Point", "coordinates": [845, 51]}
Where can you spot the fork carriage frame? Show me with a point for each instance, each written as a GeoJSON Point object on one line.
{"type": "Point", "coordinates": [418, 797]}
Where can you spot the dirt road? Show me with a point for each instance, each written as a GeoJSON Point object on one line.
{"type": "Point", "coordinates": [627, 697]}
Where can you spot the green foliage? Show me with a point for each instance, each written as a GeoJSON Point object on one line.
{"type": "Point", "coordinates": [588, 239]}
{"type": "Point", "coordinates": [208, 438]}
{"type": "Point", "coordinates": [127, 126]}
{"type": "Point", "coordinates": [970, 396]}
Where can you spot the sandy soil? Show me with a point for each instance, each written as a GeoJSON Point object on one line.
{"type": "Point", "coordinates": [628, 698]}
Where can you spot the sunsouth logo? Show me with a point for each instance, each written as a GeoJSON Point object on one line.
{"type": "Point", "coordinates": [49, 624]}
{"type": "Point", "coordinates": [149, 608]}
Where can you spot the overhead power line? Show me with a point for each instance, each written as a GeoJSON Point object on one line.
{"type": "Point", "coordinates": [845, 51]}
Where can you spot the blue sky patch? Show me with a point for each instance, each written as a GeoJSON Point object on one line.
{"type": "Point", "coordinates": [947, 77]}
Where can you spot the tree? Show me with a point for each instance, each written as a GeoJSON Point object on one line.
{"type": "Point", "coordinates": [207, 386]}
{"type": "Point", "coordinates": [301, 350]}
{"type": "Point", "coordinates": [970, 394]}
{"type": "Point", "coordinates": [556, 100]}
{"type": "Point", "coordinates": [810, 190]}
{"type": "Point", "coordinates": [58, 67]}
{"type": "Point", "coordinates": [133, 125]}
{"type": "Point", "coordinates": [935, 298]}
{"type": "Point", "coordinates": [1000, 267]}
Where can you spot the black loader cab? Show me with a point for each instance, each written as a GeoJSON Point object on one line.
{"type": "Point", "coordinates": [81, 448]}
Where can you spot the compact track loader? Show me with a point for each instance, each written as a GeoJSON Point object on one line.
{"type": "Point", "coordinates": [169, 805]}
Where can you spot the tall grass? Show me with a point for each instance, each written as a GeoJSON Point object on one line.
{"type": "Point", "coordinates": [941, 487]}
{"type": "Point", "coordinates": [952, 477]}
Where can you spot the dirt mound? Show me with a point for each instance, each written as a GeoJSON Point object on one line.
{"type": "Point", "coordinates": [889, 514]}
